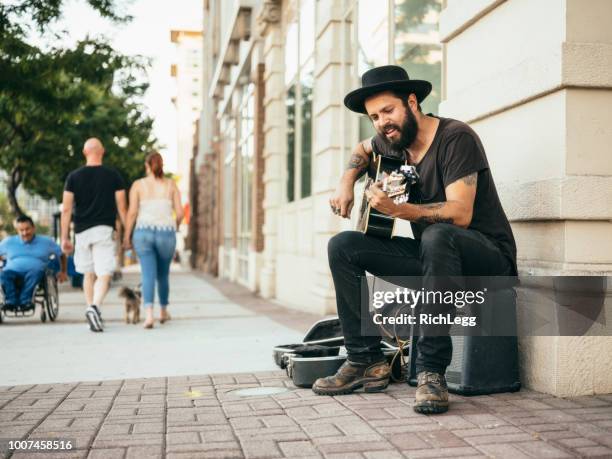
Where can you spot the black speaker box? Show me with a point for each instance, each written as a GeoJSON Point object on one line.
{"type": "Point", "coordinates": [483, 364]}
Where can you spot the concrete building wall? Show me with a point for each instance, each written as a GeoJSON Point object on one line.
{"type": "Point", "coordinates": [538, 92]}
{"type": "Point", "coordinates": [532, 78]}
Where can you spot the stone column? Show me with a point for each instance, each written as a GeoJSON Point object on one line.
{"type": "Point", "coordinates": [328, 157]}
{"type": "Point", "coordinates": [534, 80]}
{"type": "Point", "coordinates": [269, 25]}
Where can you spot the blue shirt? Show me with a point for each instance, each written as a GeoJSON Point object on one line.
{"type": "Point", "coordinates": [24, 257]}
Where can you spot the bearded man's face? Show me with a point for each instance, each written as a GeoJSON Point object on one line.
{"type": "Point", "coordinates": [392, 119]}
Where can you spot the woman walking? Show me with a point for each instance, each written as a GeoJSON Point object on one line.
{"type": "Point", "coordinates": [152, 202]}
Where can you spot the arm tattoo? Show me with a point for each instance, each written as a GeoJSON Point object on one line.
{"type": "Point", "coordinates": [357, 162]}
{"type": "Point", "coordinates": [433, 205]}
{"type": "Point", "coordinates": [435, 218]}
{"type": "Point", "coordinates": [470, 179]}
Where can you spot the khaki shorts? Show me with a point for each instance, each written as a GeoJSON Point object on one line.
{"type": "Point", "coordinates": [94, 251]}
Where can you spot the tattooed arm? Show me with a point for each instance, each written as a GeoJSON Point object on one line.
{"type": "Point", "coordinates": [456, 210]}
{"type": "Point", "coordinates": [343, 198]}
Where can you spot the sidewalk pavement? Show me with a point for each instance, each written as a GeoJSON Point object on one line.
{"type": "Point", "coordinates": [214, 329]}
{"type": "Point", "coordinates": [206, 415]}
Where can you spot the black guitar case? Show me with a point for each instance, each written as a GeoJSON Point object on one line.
{"type": "Point", "coordinates": [319, 356]}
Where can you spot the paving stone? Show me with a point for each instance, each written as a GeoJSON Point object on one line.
{"type": "Point", "coordinates": [321, 430]}
{"type": "Point", "coordinates": [230, 454]}
{"type": "Point", "coordinates": [183, 437]}
{"type": "Point", "coordinates": [441, 452]}
{"type": "Point", "coordinates": [595, 451]}
{"type": "Point", "coordinates": [509, 438]}
{"type": "Point", "coordinates": [111, 453]}
{"type": "Point", "coordinates": [442, 439]}
{"type": "Point", "coordinates": [203, 447]}
{"type": "Point", "coordinates": [503, 450]}
{"type": "Point", "coordinates": [351, 455]}
{"type": "Point", "coordinates": [355, 446]}
{"type": "Point", "coordinates": [128, 440]}
{"type": "Point", "coordinates": [347, 439]}
{"type": "Point", "coordinates": [555, 435]}
{"type": "Point", "coordinates": [491, 432]}
{"type": "Point", "coordinates": [298, 449]}
{"type": "Point", "coordinates": [453, 422]}
{"type": "Point", "coordinates": [407, 441]}
{"type": "Point", "coordinates": [383, 455]}
{"type": "Point", "coordinates": [260, 448]}
{"type": "Point", "coordinates": [576, 442]}
{"type": "Point", "coordinates": [80, 454]}
{"type": "Point", "coordinates": [541, 449]}
{"type": "Point", "coordinates": [149, 452]}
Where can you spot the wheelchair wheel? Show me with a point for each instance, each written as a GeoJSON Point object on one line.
{"type": "Point", "coordinates": [52, 302]}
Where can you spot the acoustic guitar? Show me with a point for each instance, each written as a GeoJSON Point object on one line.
{"type": "Point", "coordinates": [396, 178]}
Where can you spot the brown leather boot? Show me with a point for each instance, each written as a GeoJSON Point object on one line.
{"type": "Point", "coordinates": [431, 394]}
{"type": "Point", "coordinates": [349, 377]}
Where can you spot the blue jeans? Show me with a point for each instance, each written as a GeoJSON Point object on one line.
{"type": "Point", "coordinates": [155, 249]}
{"type": "Point", "coordinates": [19, 287]}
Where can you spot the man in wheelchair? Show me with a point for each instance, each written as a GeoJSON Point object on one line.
{"type": "Point", "coordinates": [27, 257]}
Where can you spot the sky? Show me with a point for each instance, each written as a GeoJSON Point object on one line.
{"type": "Point", "coordinates": [148, 34]}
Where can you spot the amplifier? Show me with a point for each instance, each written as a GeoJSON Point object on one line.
{"type": "Point", "coordinates": [482, 364]}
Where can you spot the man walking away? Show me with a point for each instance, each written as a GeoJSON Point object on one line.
{"type": "Point", "coordinates": [97, 194]}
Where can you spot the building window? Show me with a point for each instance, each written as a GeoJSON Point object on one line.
{"type": "Point", "coordinates": [299, 85]}
{"type": "Point", "coordinates": [403, 32]}
{"type": "Point", "coordinates": [417, 45]}
{"type": "Point", "coordinates": [229, 183]}
{"type": "Point", "coordinates": [246, 150]}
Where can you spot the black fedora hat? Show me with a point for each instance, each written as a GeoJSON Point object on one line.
{"type": "Point", "coordinates": [381, 79]}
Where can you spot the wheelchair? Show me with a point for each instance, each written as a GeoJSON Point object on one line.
{"type": "Point", "coordinates": [45, 296]}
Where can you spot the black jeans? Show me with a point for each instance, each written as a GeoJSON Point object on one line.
{"type": "Point", "coordinates": [443, 250]}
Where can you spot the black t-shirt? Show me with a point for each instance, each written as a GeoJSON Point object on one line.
{"type": "Point", "coordinates": [94, 190]}
{"type": "Point", "coordinates": [455, 152]}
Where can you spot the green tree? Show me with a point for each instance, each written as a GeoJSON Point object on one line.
{"type": "Point", "coordinates": [52, 100]}
{"type": "Point", "coordinates": [6, 219]}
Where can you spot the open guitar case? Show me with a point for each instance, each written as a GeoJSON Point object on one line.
{"type": "Point", "coordinates": [322, 352]}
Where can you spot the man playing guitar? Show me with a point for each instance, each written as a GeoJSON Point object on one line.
{"type": "Point", "coordinates": [459, 227]}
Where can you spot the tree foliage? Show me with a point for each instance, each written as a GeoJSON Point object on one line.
{"type": "Point", "coordinates": [53, 99]}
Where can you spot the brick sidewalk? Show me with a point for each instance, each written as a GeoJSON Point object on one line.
{"type": "Point", "coordinates": [200, 417]}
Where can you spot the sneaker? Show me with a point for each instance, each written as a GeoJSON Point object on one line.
{"type": "Point", "coordinates": [97, 310]}
{"type": "Point", "coordinates": [95, 324]}
{"type": "Point", "coordinates": [431, 394]}
{"type": "Point", "coordinates": [351, 376]}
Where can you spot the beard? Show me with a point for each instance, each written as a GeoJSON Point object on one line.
{"type": "Point", "coordinates": [408, 132]}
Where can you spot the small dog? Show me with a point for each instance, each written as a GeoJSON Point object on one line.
{"type": "Point", "coordinates": [132, 303]}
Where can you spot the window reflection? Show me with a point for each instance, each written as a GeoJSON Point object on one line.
{"type": "Point", "coordinates": [307, 29]}
{"type": "Point", "coordinates": [307, 85]}
{"type": "Point", "coordinates": [291, 52]}
{"type": "Point", "coordinates": [373, 34]}
{"type": "Point", "coordinates": [299, 68]}
{"type": "Point", "coordinates": [417, 44]}
{"type": "Point", "coordinates": [290, 103]}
